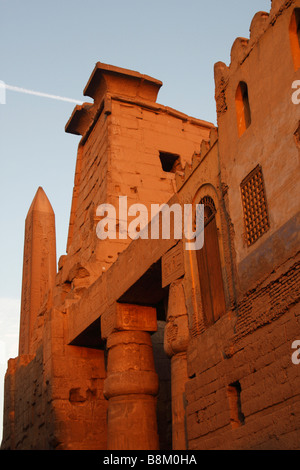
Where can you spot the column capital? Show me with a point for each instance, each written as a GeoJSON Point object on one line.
{"type": "Point", "coordinates": [128, 317]}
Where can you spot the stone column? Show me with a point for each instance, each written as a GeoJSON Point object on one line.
{"type": "Point", "coordinates": [175, 344]}
{"type": "Point", "coordinates": [131, 385]}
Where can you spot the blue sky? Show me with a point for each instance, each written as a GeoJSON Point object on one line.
{"type": "Point", "coordinates": [52, 47]}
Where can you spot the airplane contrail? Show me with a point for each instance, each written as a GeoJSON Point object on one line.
{"type": "Point", "coordinates": [38, 93]}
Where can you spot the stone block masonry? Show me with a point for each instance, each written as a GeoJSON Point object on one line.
{"type": "Point", "coordinates": [142, 344]}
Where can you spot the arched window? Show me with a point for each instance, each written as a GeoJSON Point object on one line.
{"type": "Point", "coordinates": [294, 31]}
{"type": "Point", "coordinates": [209, 266]}
{"type": "Point", "coordinates": [242, 108]}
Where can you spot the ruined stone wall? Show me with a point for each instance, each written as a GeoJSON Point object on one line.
{"type": "Point", "coordinates": [90, 186]}
{"type": "Point", "coordinates": [265, 63]}
{"type": "Point", "coordinates": [119, 155]}
{"type": "Point", "coordinates": [234, 385]}
{"type": "Point", "coordinates": [75, 377]}
{"type": "Point", "coordinates": [243, 388]}
{"type": "Point", "coordinates": [136, 137]}
{"type": "Point", "coordinates": [54, 399]}
{"type": "Point", "coordinates": [256, 354]}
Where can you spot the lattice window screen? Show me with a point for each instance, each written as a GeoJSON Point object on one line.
{"type": "Point", "coordinates": [255, 205]}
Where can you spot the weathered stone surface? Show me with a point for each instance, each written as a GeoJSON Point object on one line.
{"type": "Point", "coordinates": [172, 265]}
{"type": "Point", "coordinates": [122, 343]}
{"type": "Point", "coordinates": [131, 388]}
{"type": "Point", "coordinates": [39, 266]}
{"type": "Point", "coordinates": [128, 317]}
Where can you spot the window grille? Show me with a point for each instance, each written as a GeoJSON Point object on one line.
{"type": "Point", "coordinates": [254, 205]}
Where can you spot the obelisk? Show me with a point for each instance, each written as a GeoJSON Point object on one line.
{"type": "Point", "coordinates": [39, 265]}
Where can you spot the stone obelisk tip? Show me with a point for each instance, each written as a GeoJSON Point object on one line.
{"type": "Point", "coordinates": [41, 202]}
